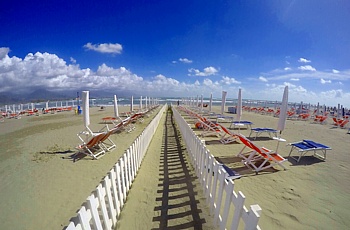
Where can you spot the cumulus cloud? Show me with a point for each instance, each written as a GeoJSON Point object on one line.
{"type": "Point", "coordinates": [105, 47]}
{"type": "Point", "coordinates": [335, 71]}
{"type": "Point", "coordinates": [287, 68]}
{"type": "Point", "coordinates": [304, 60]}
{"type": "Point", "coordinates": [307, 68]}
{"type": "Point", "coordinates": [3, 52]}
{"type": "Point", "coordinates": [229, 81]}
{"type": "Point", "coordinates": [263, 79]}
{"type": "Point", "coordinates": [185, 60]}
{"type": "Point", "coordinates": [206, 72]}
{"type": "Point", "coordinates": [73, 60]}
{"type": "Point", "coordinates": [325, 81]}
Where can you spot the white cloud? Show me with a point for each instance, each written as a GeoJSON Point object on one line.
{"type": "Point", "coordinates": [287, 68]}
{"type": "Point", "coordinates": [206, 72]}
{"type": "Point", "coordinates": [307, 68]}
{"type": "Point", "coordinates": [3, 52]}
{"type": "Point", "coordinates": [263, 79]}
{"type": "Point", "coordinates": [105, 47]}
{"type": "Point", "coordinates": [335, 71]}
{"type": "Point", "coordinates": [304, 60]}
{"type": "Point", "coordinates": [185, 60]}
{"type": "Point", "coordinates": [73, 60]}
{"type": "Point", "coordinates": [44, 70]}
{"type": "Point", "coordinates": [325, 81]}
{"type": "Point", "coordinates": [229, 81]}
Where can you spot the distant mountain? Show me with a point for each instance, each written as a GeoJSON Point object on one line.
{"type": "Point", "coordinates": [39, 95]}
{"type": "Point", "coordinates": [43, 94]}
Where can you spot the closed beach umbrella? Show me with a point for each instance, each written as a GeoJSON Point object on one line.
{"type": "Point", "coordinates": [339, 112]}
{"type": "Point", "coordinates": [116, 112]}
{"type": "Point", "coordinates": [201, 102]}
{"type": "Point", "coordinates": [283, 111]}
{"type": "Point", "coordinates": [210, 102]}
{"type": "Point", "coordinates": [86, 112]}
{"type": "Point", "coordinates": [239, 105]}
{"type": "Point", "coordinates": [141, 103]}
{"type": "Point", "coordinates": [318, 109]}
{"type": "Point", "coordinates": [146, 102]}
{"type": "Point", "coordinates": [223, 101]}
{"type": "Point", "coordinates": [132, 104]}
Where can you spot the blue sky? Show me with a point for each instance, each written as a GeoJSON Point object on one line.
{"type": "Point", "coordinates": [179, 48]}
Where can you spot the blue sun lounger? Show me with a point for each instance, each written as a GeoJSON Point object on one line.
{"type": "Point", "coordinates": [241, 123]}
{"type": "Point", "coordinates": [230, 174]}
{"type": "Point", "coordinates": [259, 131]}
{"type": "Point", "coordinates": [305, 146]}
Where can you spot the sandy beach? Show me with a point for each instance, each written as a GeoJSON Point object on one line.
{"type": "Point", "coordinates": [42, 188]}
{"type": "Point", "coordinates": [311, 194]}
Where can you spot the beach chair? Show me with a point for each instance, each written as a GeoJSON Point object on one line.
{"type": "Point", "coordinates": [113, 120]}
{"type": "Point", "coordinates": [209, 128]}
{"type": "Point", "coordinates": [259, 158]}
{"type": "Point", "coordinates": [305, 146]}
{"type": "Point", "coordinates": [259, 131]}
{"type": "Point", "coordinates": [228, 136]}
{"type": "Point", "coordinates": [92, 147]}
{"type": "Point", "coordinates": [320, 119]}
{"type": "Point", "coordinates": [343, 124]}
{"type": "Point", "coordinates": [106, 141]}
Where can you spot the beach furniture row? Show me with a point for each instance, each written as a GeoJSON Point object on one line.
{"type": "Point", "coordinates": [226, 205]}
{"type": "Point", "coordinates": [105, 204]}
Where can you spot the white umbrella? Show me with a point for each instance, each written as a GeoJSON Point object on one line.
{"type": "Point", "coordinates": [146, 103]}
{"type": "Point", "coordinates": [141, 103]}
{"type": "Point", "coordinates": [116, 112]}
{"type": "Point", "coordinates": [85, 104]}
{"type": "Point", "coordinates": [132, 104]}
{"type": "Point", "coordinates": [239, 105]}
{"type": "Point", "coordinates": [210, 102]}
{"type": "Point", "coordinates": [201, 102]}
{"type": "Point", "coordinates": [223, 101]}
{"type": "Point", "coordinates": [283, 111]}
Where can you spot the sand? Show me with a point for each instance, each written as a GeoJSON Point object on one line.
{"type": "Point", "coordinates": [41, 187]}
{"type": "Point", "coordinates": [166, 193]}
{"type": "Point", "coordinates": [311, 194]}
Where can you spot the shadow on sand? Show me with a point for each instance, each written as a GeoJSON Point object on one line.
{"type": "Point", "coordinates": [176, 191]}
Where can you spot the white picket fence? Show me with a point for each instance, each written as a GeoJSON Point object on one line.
{"type": "Point", "coordinates": [102, 208]}
{"type": "Point", "coordinates": [226, 205]}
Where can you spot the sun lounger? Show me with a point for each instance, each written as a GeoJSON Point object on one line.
{"type": "Point", "coordinates": [305, 146]}
{"type": "Point", "coordinates": [259, 131]}
{"type": "Point", "coordinates": [228, 136]}
{"type": "Point", "coordinates": [106, 141]}
{"type": "Point", "coordinates": [230, 174]}
{"type": "Point", "coordinates": [241, 123]}
{"type": "Point", "coordinates": [92, 147]}
{"type": "Point", "coordinates": [221, 118]}
{"type": "Point", "coordinates": [210, 129]}
{"type": "Point", "coordinates": [259, 158]}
